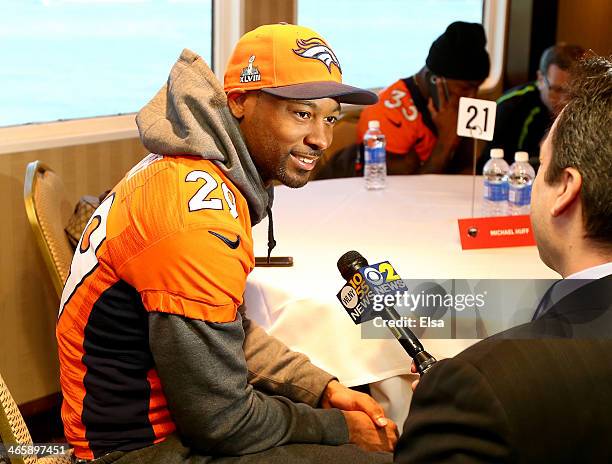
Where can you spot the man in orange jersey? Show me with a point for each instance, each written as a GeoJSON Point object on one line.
{"type": "Point", "coordinates": [158, 361]}
{"type": "Point", "coordinates": [418, 114]}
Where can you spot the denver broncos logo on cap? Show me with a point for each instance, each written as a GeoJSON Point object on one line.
{"type": "Point", "coordinates": [316, 49]}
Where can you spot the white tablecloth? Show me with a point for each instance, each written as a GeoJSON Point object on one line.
{"type": "Point", "coordinates": [412, 223]}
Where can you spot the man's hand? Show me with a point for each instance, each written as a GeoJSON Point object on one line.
{"type": "Point", "coordinates": [368, 437]}
{"type": "Point", "coordinates": [445, 118]}
{"type": "Point", "coordinates": [414, 383]}
{"type": "Point", "coordinates": [338, 396]}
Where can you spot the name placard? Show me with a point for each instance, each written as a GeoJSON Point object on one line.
{"type": "Point", "coordinates": [496, 232]}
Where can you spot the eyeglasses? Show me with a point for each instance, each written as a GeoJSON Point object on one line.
{"type": "Point", "coordinates": [554, 88]}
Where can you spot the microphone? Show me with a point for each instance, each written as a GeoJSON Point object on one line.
{"type": "Point", "coordinates": [350, 264]}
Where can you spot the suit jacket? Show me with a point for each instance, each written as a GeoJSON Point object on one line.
{"type": "Point", "coordinates": [540, 392]}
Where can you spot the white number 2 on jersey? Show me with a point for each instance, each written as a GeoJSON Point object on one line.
{"type": "Point", "coordinates": [199, 200]}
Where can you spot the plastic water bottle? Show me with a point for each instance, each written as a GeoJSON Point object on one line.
{"type": "Point", "coordinates": [495, 174]}
{"type": "Point", "coordinates": [520, 179]}
{"type": "Point", "coordinates": [375, 170]}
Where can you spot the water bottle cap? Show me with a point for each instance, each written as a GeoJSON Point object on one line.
{"type": "Point", "coordinates": [521, 156]}
{"type": "Point", "coordinates": [374, 124]}
{"type": "Point", "coordinates": [497, 153]}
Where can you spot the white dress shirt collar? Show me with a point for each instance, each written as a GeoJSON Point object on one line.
{"type": "Point", "coordinates": [592, 273]}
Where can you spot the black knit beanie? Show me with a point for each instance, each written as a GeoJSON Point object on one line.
{"type": "Point", "coordinates": [460, 53]}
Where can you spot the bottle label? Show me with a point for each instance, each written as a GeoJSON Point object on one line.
{"type": "Point", "coordinates": [374, 155]}
{"type": "Point", "coordinates": [520, 196]}
{"type": "Point", "coordinates": [495, 191]}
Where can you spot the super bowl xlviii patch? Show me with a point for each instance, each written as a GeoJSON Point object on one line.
{"type": "Point", "coordinates": [250, 73]}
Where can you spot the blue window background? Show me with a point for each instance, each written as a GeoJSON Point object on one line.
{"type": "Point", "coordinates": [378, 42]}
{"type": "Point", "coordinates": [66, 59]}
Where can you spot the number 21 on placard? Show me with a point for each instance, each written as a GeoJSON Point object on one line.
{"type": "Point", "coordinates": [469, 124]}
{"type": "Point", "coordinates": [476, 118]}
{"type": "Point", "coordinates": [200, 199]}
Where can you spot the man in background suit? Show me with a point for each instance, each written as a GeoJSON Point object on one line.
{"type": "Point", "coordinates": [541, 392]}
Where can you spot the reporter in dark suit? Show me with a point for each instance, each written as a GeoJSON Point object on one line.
{"type": "Point", "coordinates": [541, 392]}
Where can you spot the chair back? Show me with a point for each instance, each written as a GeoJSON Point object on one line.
{"type": "Point", "coordinates": [48, 211]}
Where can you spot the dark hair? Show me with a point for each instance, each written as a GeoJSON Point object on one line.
{"type": "Point", "coordinates": [581, 140]}
{"type": "Point", "coordinates": [563, 55]}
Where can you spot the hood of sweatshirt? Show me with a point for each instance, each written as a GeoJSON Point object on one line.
{"type": "Point", "coordinates": [189, 115]}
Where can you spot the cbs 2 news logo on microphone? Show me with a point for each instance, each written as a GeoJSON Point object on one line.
{"type": "Point", "coordinates": [358, 294]}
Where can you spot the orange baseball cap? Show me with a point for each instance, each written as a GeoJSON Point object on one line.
{"type": "Point", "coordinates": [290, 61]}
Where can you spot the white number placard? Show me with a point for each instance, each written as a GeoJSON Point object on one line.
{"type": "Point", "coordinates": [476, 118]}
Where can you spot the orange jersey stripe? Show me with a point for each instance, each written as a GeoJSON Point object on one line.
{"type": "Point", "coordinates": [159, 416]}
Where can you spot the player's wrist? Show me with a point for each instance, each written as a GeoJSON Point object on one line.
{"type": "Point", "coordinates": [446, 143]}
{"type": "Point", "coordinates": [330, 389]}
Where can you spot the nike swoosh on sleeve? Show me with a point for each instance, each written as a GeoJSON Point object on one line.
{"type": "Point", "coordinates": [232, 244]}
{"type": "Point", "coordinates": [396, 124]}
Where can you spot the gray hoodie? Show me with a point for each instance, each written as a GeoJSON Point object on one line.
{"type": "Point", "coordinates": [189, 115]}
{"type": "Point", "coordinates": [214, 375]}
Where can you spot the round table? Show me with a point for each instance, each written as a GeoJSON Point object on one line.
{"type": "Point", "coordinates": [413, 224]}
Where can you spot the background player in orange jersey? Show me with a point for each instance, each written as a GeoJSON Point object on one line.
{"type": "Point", "coordinates": [158, 361]}
{"type": "Point", "coordinates": [418, 114]}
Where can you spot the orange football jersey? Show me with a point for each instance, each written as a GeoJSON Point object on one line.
{"type": "Point", "coordinates": [404, 120]}
{"type": "Point", "coordinates": [173, 236]}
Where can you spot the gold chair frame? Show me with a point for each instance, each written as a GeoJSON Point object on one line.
{"type": "Point", "coordinates": [32, 171]}
{"type": "Point", "coordinates": [14, 430]}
